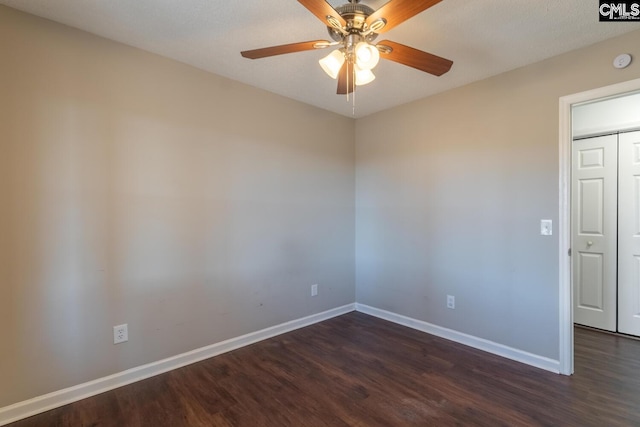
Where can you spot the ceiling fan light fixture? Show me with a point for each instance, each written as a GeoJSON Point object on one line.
{"type": "Point", "coordinates": [332, 63]}
{"type": "Point", "coordinates": [363, 76]}
{"type": "Point", "coordinates": [367, 56]}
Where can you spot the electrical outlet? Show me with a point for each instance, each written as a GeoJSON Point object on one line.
{"type": "Point", "coordinates": [451, 302]}
{"type": "Point", "coordinates": [120, 334]}
{"type": "Point", "coordinates": [546, 227]}
{"type": "Point", "coordinates": [314, 290]}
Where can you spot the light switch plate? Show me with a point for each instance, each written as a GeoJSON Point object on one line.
{"type": "Point", "coordinates": [546, 227]}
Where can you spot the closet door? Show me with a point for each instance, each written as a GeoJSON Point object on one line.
{"type": "Point", "coordinates": [594, 234]}
{"type": "Point", "coordinates": [629, 234]}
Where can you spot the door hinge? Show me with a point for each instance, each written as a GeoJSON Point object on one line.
{"type": "Point", "coordinates": [569, 252]}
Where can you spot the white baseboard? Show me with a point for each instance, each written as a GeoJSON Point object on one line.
{"type": "Point", "coordinates": [43, 403]}
{"type": "Point", "coordinates": [63, 397]}
{"type": "Point", "coordinates": [469, 340]}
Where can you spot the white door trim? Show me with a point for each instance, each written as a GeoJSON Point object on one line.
{"type": "Point", "coordinates": [564, 223]}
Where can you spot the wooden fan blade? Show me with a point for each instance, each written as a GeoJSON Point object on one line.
{"type": "Point", "coordinates": [322, 9]}
{"type": "Point", "coordinates": [415, 58]}
{"type": "Point", "coordinates": [285, 48]}
{"type": "Point", "coordinates": [395, 12]}
{"type": "Point", "coordinates": [346, 82]}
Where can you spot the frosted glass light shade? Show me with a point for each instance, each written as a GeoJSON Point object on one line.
{"type": "Point", "coordinates": [363, 76]}
{"type": "Point", "coordinates": [367, 56]}
{"type": "Point", "coordinates": [332, 63]}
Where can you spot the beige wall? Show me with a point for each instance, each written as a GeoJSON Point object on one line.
{"type": "Point", "coordinates": [135, 189]}
{"type": "Point", "coordinates": [450, 191]}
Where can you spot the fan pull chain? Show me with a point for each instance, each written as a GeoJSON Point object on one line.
{"type": "Point", "coordinates": [354, 100]}
{"type": "Point", "coordinates": [351, 81]}
{"type": "Point", "coordinates": [353, 76]}
{"type": "Point", "coordinates": [348, 75]}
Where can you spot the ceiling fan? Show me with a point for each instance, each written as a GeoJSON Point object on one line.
{"type": "Point", "coordinates": [353, 27]}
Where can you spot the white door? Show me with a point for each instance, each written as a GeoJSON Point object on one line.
{"type": "Point", "coordinates": [594, 231]}
{"type": "Point", "coordinates": [629, 234]}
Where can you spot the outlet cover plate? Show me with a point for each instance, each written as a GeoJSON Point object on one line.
{"type": "Point", "coordinates": [451, 302]}
{"type": "Point", "coordinates": [120, 334]}
{"type": "Point", "coordinates": [546, 227]}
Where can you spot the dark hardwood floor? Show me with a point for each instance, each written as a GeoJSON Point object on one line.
{"type": "Point", "coordinates": [356, 370]}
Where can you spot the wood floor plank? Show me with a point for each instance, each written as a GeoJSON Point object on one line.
{"type": "Point", "coordinates": [356, 370]}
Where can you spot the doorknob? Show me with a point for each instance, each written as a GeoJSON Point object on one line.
{"type": "Point", "coordinates": [589, 243]}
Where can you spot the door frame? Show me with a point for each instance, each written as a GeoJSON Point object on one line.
{"type": "Point", "coordinates": [564, 218]}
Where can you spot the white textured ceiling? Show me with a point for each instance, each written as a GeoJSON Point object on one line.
{"type": "Point", "coordinates": [482, 37]}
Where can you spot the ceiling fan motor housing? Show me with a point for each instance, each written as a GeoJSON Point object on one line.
{"type": "Point", "coordinates": [355, 14]}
